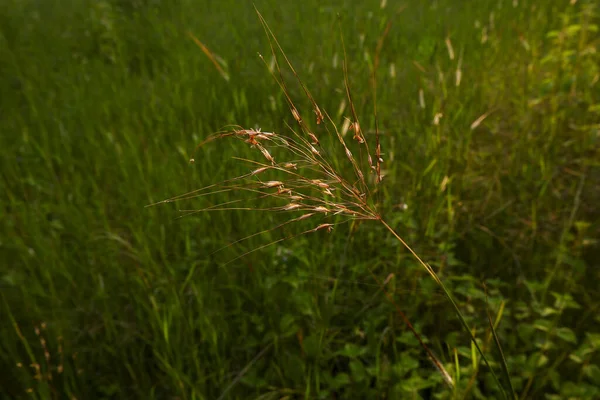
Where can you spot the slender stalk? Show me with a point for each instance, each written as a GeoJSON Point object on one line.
{"type": "Point", "coordinates": [449, 297]}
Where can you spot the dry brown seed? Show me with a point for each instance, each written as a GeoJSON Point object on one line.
{"type": "Point", "coordinates": [291, 206]}
{"type": "Point", "coordinates": [329, 227]}
{"type": "Point", "coordinates": [300, 218]}
{"type": "Point", "coordinates": [247, 132]}
{"type": "Point", "coordinates": [259, 170]}
{"type": "Point", "coordinates": [344, 210]}
{"type": "Point", "coordinates": [314, 151]}
{"type": "Point", "coordinates": [319, 115]}
{"type": "Point", "coordinates": [320, 183]}
{"type": "Point", "coordinates": [321, 209]}
{"type": "Point", "coordinates": [357, 136]}
{"type": "Point", "coordinates": [349, 154]}
{"type": "Point", "coordinates": [313, 138]}
{"type": "Point", "coordinates": [327, 192]}
{"type": "Point", "coordinates": [267, 155]}
{"type": "Point", "coordinates": [296, 114]}
{"type": "Point", "coordinates": [270, 184]}
{"type": "Point", "coordinates": [290, 166]}
{"type": "Point", "coordinates": [360, 175]}
{"type": "Point", "coordinates": [282, 190]}
{"type": "Point", "coordinates": [388, 279]}
{"type": "Point", "coordinates": [295, 198]}
{"type": "Point", "coordinates": [479, 120]}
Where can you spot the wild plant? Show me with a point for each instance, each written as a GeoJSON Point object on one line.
{"type": "Point", "coordinates": [316, 172]}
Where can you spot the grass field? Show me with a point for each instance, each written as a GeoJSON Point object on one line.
{"type": "Point", "coordinates": [488, 114]}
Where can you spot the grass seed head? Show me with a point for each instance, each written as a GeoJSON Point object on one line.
{"type": "Point", "coordinates": [320, 183]}
{"type": "Point", "coordinates": [319, 115]}
{"type": "Point", "coordinates": [267, 155]}
{"type": "Point", "coordinates": [313, 138]}
{"type": "Point", "coordinates": [296, 115]}
{"type": "Point", "coordinates": [291, 207]}
{"type": "Point", "coordinates": [259, 170]}
{"type": "Point", "coordinates": [271, 184]}
{"type": "Point", "coordinates": [329, 227]}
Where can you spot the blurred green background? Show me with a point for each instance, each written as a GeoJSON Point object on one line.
{"type": "Point", "coordinates": [102, 104]}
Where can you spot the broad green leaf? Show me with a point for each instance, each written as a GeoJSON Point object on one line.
{"type": "Point", "coordinates": [351, 350]}
{"type": "Point", "coordinates": [566, 334]}
{"type": "Point", "coordinates": [592, 371]}
{"type": "Point", "coordinates": [358, 371]}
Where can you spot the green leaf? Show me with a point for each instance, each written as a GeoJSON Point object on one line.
{"type": "Point", "coordinates": [358, 371]}
{"type": "Point", "coordinates": [542, 325]}
{"type": "Point", "coordinates": [351, 350]}
{"type": "Point", "coordinates": [592, 371]}
{"type": "Point", "coordinates": [293, 368]}
{"type": "Point", "coordinates": [566, 334]}
{"type": "Point", "coordinates": [543, 360]}
{"type": "Point", "coordinates": [594, 108]}
{"type": "Point", "coordinates": [564, 301]}
{"type": "Point", "coordinates": [287, 325]}
{"type": "Point", "coordinates": [548, 311]}
{"type": "Point", "coordinates": [594, 339]}
{"type": "Point", "coordinates": [573, 29]}
{"type": "Point", "coordinates": [312, 346]}
{"type": "Point", "coordinates": [340, 380]}
{"type": "Point", "coordinates": [405, 365]}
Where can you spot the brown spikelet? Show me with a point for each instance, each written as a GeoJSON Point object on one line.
{"type": "Point", "coordinates": [271, 184]}
{"type": "Point", "coordinates": [329, 227]}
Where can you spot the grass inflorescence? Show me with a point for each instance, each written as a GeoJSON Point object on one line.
{"type": "Point", "coordinates": [309, 184]}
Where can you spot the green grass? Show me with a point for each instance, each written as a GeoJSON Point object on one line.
{"type": "Point", "coordinates": [102, 104]}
